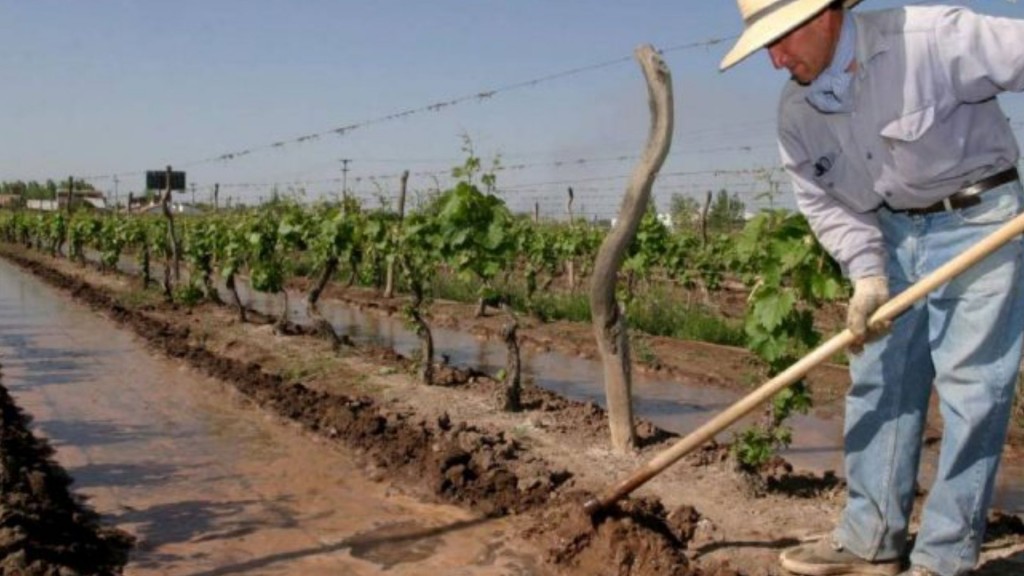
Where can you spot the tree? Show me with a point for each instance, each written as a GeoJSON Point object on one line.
{"type": "Point", "coordinates": [726, 212]}
{"type": "Point", "coordinates": [685, 211]}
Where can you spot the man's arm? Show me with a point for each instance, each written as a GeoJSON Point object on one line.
{"type": "Point", "coordinates": [983, 55]}
{"type": "Point", "coordinates": [853, 239]}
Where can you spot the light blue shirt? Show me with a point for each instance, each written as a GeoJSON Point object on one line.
{"type": "Point", "coordinates": [924, 123]}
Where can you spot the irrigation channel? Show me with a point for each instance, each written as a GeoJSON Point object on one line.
{"type": "Point", "coordinates": [208, 485]}
{"type": "Point", "coordinates": [673, 405]}
{"type": "Point", "coordinates": [211, 486]}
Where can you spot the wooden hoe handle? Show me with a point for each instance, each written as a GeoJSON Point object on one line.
{"type": "Point", "coordinates": [794, 373]}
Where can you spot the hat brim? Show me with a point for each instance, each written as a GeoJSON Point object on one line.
{"type": "Point", "coordinates": [774, 26]}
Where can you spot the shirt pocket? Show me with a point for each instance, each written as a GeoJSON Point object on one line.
{"type": "Point", "coordinates": [910, 127]}
{"type": "Point", "coordinates": [919, 157]}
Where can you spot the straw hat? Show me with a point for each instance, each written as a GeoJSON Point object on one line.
{"type": "Point", "coordinates": [769, 20]}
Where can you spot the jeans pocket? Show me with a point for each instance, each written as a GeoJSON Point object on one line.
{"type": "Point", "coordinates": [997, 205]}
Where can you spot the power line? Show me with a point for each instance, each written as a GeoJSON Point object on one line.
{"type": "Point", "coordinates": [432, 107]}
{"type": "Point", "coordinates": [479, 96]}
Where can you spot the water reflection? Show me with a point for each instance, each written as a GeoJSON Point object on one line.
{"type": "Point", "coordinates": [673, 405]}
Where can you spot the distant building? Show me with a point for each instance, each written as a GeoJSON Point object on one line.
{"type": "Point", "coordinates": [664, 217]}
{"type": "Point", "coordinates": [43, 205]}
{"type": "Point", "coordinates": [93, 198]}
{"type": "Point", "coordinates": [176, 208]}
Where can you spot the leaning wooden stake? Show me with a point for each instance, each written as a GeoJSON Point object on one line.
{"type": "Point", "coordinates": [608, 319]}
{"type": "Point", "coordinates": [389, 284]}
{"type": "Point", "coordinates": [837, 343]}
{"type": "Point", "coordinates": [172, 235]}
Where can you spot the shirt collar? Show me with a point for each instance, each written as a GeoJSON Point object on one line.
{"type": "Point", "coordinates": [870, 40]}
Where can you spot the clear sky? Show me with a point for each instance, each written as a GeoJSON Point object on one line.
{"type": "Point", "coordinates": [107, 89]}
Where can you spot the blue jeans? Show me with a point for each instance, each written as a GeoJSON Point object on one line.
{"type": "Point", "coordinates": [965, 339]}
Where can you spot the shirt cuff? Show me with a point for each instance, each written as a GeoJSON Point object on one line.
{"type": "Point", "coordinates": [867, 264]}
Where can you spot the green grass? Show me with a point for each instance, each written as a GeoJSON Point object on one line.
{"type": "Point", "coordinates": [557, 306]}
{"type": "Point", "coordinates": [138, 298]}
{"type": "Point", "coordinates": [654, 312]}
{"type": "Point", "coordinates": [641, 349]}
{"type": "Point", "coordinates": [188, 294]}
{"type": "Point", "coordinates": [448, 287]}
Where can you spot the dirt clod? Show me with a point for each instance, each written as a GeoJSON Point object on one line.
{"type": "Point", "coordinates": [631, 537]}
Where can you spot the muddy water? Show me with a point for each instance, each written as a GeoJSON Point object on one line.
{"type": "Point", "coordinates": [673, 405]}
{"type": "Point", "coordinates": [208, 484]}
{"type": "Point", "coordinates": [670, 404]}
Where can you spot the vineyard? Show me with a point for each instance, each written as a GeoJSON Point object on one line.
{"type": "Point", "coordinates": [321, 344]}
{"type": "Point", "coordinates": [464, 243]}
{"type": "Point", "coordinates": [766, 286]}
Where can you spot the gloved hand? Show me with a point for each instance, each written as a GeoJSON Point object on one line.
{"type": "Point", "coordinates": [869, 293]}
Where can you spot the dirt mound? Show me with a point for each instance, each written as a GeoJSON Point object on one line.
{"type": "Point", "coordinates": [44, 529]}
{"type": "Point", "coordinates": [632, 537]}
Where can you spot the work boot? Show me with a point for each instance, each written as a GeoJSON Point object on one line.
{"type": "Point", "coordinates": [826, 557]}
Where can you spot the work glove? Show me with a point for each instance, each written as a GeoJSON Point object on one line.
{"type": "Point", "coordinates": [869, 293]}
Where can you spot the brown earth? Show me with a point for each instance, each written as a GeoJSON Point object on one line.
{"type": "Point", "coordinates": [452, 443]}
{"type": "Point", "coordinates": [703, 363]}
{"type": "Point", "coordinates": [700, 362]}
{"type": "Point", "coordinates": [44, 529]}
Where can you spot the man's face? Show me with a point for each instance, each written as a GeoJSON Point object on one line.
{"type": "Point", "coordinates": [806, 51]}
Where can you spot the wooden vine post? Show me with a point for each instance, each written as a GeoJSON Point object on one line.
{"type": "Point", "coordinates": [389, 283]}
{"type": "Point", "coordinates": [570, 265]}
{"type": "Point", "coordinates": [172, 234]}
{"type": "Point", "coordinates": [71, 192]}
{"type": "Point", "coordinates": [704, 219]}
{"type": "Point", "coordinates": [608, 317]}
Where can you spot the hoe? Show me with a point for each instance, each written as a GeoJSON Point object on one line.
{"type": "Point", "coordinates": [794, 373]}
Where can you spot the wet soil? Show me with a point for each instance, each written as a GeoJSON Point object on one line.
{"type": "Point", "coordinates": [44, 529]}
{"type": "Point", "coordinates": [452, 443]}
{"type": "Point", "coordinates": [703, 363]}
{"type": "Point", "coordinates": [208, 483]}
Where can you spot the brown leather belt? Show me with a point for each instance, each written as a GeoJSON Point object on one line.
{"type": "Point", "coordinates": [967, 196]}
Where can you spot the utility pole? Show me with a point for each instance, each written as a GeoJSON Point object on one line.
{"type": "Point", "coordinates": [344, 178]}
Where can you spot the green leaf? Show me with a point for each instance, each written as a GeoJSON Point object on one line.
{"type": "Point", "coordinates": [773, 306]}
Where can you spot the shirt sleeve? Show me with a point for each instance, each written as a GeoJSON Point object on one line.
{"type": "Point", "coordinates": [984, 55]}
{"type": "Point", "coordinates": [853, 239]}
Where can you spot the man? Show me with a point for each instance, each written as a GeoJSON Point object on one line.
{"type": "Point", "coordinates": [901, 159]}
